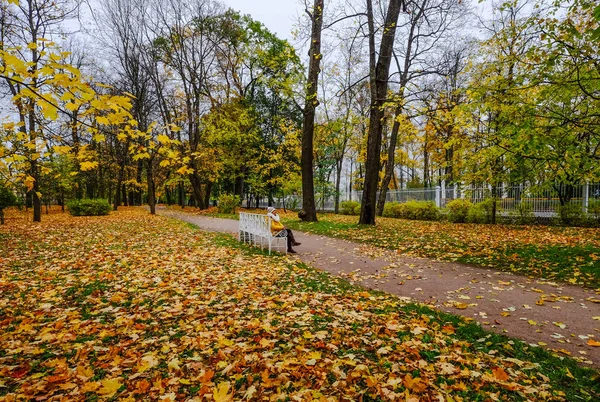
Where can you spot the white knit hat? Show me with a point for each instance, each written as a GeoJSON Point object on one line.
{"type": "Point", "coordinates": [270, 209]}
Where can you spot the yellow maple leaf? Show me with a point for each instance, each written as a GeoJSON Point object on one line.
{"type": "Point", "coordinates": [221, 393]}
{"type": "Point", "coordinates": [29, 182]}
{"type": "Point", "coordinates": [85, 166]}
{"type": "Point", "coordinates": [185, 170]}
{"type": "Point", "coordinates": [110, 386]}
{"type": "Point", "coordinates": [163, 139]}
{"type": "Point", "coordinates": [90, 387]}
{"type": "Point", "coordinates": [85, 372]}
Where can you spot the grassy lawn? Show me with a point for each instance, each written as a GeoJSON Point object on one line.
{"type": "Point", "coordinates": [133, 306]}
{"type": "Point", "coordinates": [569, 255]}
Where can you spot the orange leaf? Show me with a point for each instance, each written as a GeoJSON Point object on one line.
{"type": "Point", "coordinates": [207, 376]}
{"type": "Point", "coordinates": [500, 374]}
{"type": "Point", "coordinates": [592, 342]}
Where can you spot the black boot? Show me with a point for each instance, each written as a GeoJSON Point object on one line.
{"type": "Point", "coordinates": [290, 241]}
{"type": "Point", "coordinates": [292, 238]}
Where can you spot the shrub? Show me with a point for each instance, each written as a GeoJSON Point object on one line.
{"type": "Point", "coordinates": [458, 210]}
{"type": "Point", "coordinates": [594, 211]}
{"type": "Point", "coordinates": [293, 203]}
{"type": "Point", "coordinates": [392, 209]}
{"type": "Point", "coordinates": [523, 212]}
{"type": "Point", "coordinates": [418, 210]}
{"type": "Point", "coordinates": [483, 211]}
{"type": "Point", "coordinates": [421, 210]}
{"type": "Point", "coordinates": [571, 214]}
{"type": "Point", "coordinates": [227, 203]}
{"type": "Point", "coordinates": [350, 208]}
{"type": "Point", "coordinates": [7, 199]}
{"type": "Point", "coordinates": [89, 207]}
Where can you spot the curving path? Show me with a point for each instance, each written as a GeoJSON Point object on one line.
{"type": "Point", "coordinates": [561, 317]}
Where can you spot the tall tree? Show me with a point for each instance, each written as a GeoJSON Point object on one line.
{"type": "Point", "coordinates": [30, 22]}
{"type": "Point", "coordinates": [309, 211]}
{"type": "Point", "coordinates": [378, 77]}
{"type": "Point", "coordinates": [426, 25]}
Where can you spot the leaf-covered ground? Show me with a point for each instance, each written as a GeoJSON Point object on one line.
{"type": "Point", "coordinates": [569, 255]}
{"type": "Point", "coordinates": [132, 306]}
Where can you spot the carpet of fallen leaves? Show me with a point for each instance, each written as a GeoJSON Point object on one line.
{"type": "Point", "coordinates": [132, 306]}
{"type": "Point", "coordinates": [570, 255]}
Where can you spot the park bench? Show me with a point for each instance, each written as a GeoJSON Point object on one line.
{"type": "Point", "coordinates": [256, 229]}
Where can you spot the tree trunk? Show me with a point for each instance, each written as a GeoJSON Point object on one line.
{"type": "Point", "coordinates": [208, 190]}
{"type": "Point", "coordinates": [379, 74]}
{"type": "Point", "coordinates": [197, 189]}
{"type": "Point", "coordinates": [117, 200]}
{"type": "Point", "coordinates": [338, 179]}
{"type": "Point", "coordinates": [181, 195]}
{"type": "Point", "coordinates": [34, 170]}
{"type": "Point", "coordinates": [138, 191]}
{"type": "Point", "coordinates": [239, 187]}
{"type": "Point", "coordinates": [124, 194]}
{"type": "Point", "coordinates": [391, 162]}
{"type": "Point", "coordinates": [150, 180]}
{"type": "Point", "coordinates": [37, 201]}
{"type": "Point", "coordinates": [309, 212]}
{"type": "Point", "coordinates": [494, 199]}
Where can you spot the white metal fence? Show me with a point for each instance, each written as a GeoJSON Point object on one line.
{"type": "Point", "coordinates": [542, 203]}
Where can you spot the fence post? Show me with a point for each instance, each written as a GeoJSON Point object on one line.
{"type": "Point", "coordinates": [586, 197]}
{"type": "Point", "coordinates": [455, 191]}
{"type": "Point", "coordinates": [438, 196]}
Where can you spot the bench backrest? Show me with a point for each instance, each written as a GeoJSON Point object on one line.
{"type": "Point", "coordinates": [258, 224]}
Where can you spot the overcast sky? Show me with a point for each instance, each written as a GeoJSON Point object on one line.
{"type": "Point", "coordinates": [279, 16]}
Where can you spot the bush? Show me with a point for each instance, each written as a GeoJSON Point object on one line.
{"type": "Point", "coordinates": [293, 203]}
{"type": "Point", "coordinates": [594, 211]}
{"type": "Point", "coordinates": [523, 213]}
{"type": "Point", "coordinates": [227, 203]}
{"type": "Point", "coordinates": [350, 208]}
{"type": "Point", "coordinates": [392, 209]}
{"type": "Point", "coordinates": [89, 207]}
{"type": "Point", "coordinates": [483, 211]}
{"type": "Point", "coordinates": [421, 210]}
{"type": "Point", "coordinates": [7, 199]}
{"type": "Point", "coordinates": [571, 214]}
{"type": "Point", "coordinates": [458, 210]}
{"type": "Point", "coordinates": [417, 210]}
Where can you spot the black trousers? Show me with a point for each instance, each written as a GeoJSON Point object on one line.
{"type": "Point", "coordinates": [290, 238]}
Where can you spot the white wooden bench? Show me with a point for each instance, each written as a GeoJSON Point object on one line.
{"type": "Point", "coordinates": [256, 229]}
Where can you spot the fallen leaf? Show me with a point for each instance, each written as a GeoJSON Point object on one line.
{"type": "Point", "coordinates": [110, 386]}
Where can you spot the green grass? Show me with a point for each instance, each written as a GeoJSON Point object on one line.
{"type": "Point", "coordinates": [570, 255]}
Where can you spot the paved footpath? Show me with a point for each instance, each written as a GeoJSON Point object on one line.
{"type": "Point", "coordinates": [556, 316]}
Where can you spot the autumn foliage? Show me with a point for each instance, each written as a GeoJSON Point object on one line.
{"type": "Point", "coordinates": [134, 306]}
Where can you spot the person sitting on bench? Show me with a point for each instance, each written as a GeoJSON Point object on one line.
{"type": "Point", "coordinates": [278, 228]}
